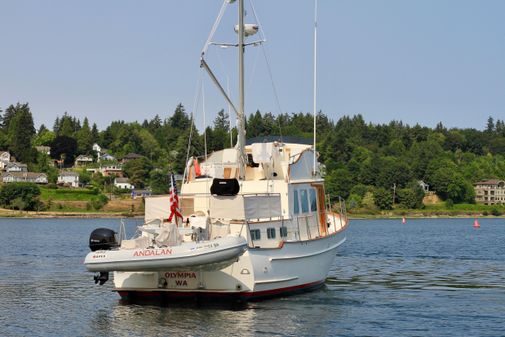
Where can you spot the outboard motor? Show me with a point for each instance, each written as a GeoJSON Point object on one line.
{"type": "Point", "coordinates": [102, 239]}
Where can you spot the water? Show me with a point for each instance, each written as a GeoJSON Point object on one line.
{"type": "Point", "coordinates": [436, 277]}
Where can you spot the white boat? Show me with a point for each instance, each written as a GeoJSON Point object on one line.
{"type": "Point", "coordinates": [268, 193]}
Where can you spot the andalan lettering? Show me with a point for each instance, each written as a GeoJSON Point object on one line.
{"type": "Point", "coordinates": [153, 252]}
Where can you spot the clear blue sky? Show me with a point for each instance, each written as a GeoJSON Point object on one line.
{"type": "Point", "coordinates": [420, 61]}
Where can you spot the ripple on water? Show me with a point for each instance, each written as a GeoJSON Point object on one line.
{"type": "Point", "coordinates": [430, 277]}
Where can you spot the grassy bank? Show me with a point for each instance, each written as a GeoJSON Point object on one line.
{"type": "Point", "coordinates": [433, 210]}
{"type": "Point", "coordinates": [67, 194]}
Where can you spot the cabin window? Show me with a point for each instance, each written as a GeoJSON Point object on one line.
{"type": "Point", "coordinates": [255, 234]}
{"type": "Point", "coordinates": [271, 233]}
{"type": "Point", "coordinates": [313, 200]}
{"type": "Point", "coordinates": [295, 202]}
{"type": "Point", "coordinates": [304, 201]}
{"type": "Point", "coordinates": [283, 231]}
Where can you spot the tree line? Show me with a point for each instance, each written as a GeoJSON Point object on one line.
{"type": "Point", "coordinates": [370, 165]}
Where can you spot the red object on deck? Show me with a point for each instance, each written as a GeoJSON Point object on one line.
{"type": "Point", "coordinates": [198, 171]}
{"type": "Point", "coordinates": [476, 224]}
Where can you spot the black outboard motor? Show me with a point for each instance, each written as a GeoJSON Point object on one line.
{"type": "Point", "coordinates": [102, 239]}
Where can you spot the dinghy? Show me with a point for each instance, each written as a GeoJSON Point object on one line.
{"type": "Point", "coordinates": [161, 250]}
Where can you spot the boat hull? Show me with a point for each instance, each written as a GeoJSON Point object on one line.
{"type": "Point", "coordinates": [258, 274]}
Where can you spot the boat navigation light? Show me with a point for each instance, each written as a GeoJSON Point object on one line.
{"type": "Point", "coordinates": [249, 29]}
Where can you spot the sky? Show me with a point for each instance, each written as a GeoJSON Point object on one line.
{"type": "Point", "coordinates": [419, 61]}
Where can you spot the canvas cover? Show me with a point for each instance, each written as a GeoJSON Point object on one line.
{"type": "Point", "coordinates": [246, 207]}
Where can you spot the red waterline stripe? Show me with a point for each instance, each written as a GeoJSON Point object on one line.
{"type": "Point", "coordinates": [245, 295]}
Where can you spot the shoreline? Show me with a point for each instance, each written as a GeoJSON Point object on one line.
{"type": "Point", "coordinates": [6, 213]}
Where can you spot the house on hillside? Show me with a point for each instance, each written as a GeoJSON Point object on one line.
{"type": "Point", "coordinates": [68, 178]}
{"type": "Point", "coordinates": [43, 149]}
{"type": "Point", "coordinates": [111, 170]}
{"type": "Point", "coordinates": [123, 183]}
{"type": "Point", "coordinates": [31, 177]}
{"type": "Point", "coordinates": [16, 167]}
{"type": "Point", "coordinates": [106, 157]}
{"type": "Point", "coordinates": [490, 192]}
{"type": "Point", "coordinates": [5, 157]}
{"type": "Point", "coordinates": [83, 160]}
{"type": "Point", "coordinates": [424, 186]}
{"type": "Point", "coordinates": [97, 148]}
{"type": "Point", "coordinates": [130, 156]}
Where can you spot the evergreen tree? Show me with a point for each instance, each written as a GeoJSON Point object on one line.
{"type": "Point", "coordinates": [10, 112]}
{"type": "Point", "coordinates": [95, 136]}
{"type": "Point", "coordinates": [84, 138]}
{"type": "Point", "coordinates": [179, 119]}
{"type": "Point", "coordinates": [21, 132]}
{"type": "Point", "coordinates": [490, 125]}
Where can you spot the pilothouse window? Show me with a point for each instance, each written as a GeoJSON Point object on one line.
{"type": "Point", "coordinates": [313, 200]}
{"type": "Point", "coordinates": [255, 234]}
{"type": "Point", "coordinates": [304, 201]}
{"type": "Point", "coordinates": [271, 233]}
{"type": "Point", "coordinates": [295, 202]}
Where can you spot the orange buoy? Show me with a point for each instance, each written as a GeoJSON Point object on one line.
{"type": "Point", "coordinates": [476, 224]}
{"type": "Point", "coordinates": [404, 221]}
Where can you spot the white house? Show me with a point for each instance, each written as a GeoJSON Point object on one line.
{"type": "Point", "coordinates": [82, 160]}
{"type": "Point", "coordinates": [32, 177]}
{"type": "Point", "coordinates": [123, 183]}
{"type": "Point", "coordinates": [16, 167]}
{"type": "Point", "coordinates": [43, 149]}
{"type": "Point", "coordinates": [112, 170]}
{"type": "Point", "coordinates": [5, 157]}
{"type": "Point", "coordinates": [68, 178]}
{"type": "Point", "coordinates": [106, 157]}
{"type": "Point", "coordinates": [424, 186]}
{"type": "Point", "coordinates": [97, 148]}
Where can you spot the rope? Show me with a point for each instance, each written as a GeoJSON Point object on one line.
{"type": "Point", "coordinates": [214, 27]}
{"type": "Point", "coordinates": [263, 48]}
{"type": "Point", "coordinates": [192, 121]}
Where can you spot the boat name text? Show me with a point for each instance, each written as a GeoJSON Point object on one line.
{"type": "Point", "coordinates": [153, 252]}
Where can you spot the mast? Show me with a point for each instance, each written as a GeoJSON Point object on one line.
{"type": "Point", "coordinates": [315, 84]}
{"type": "Point", "coordinates": [241, 116]}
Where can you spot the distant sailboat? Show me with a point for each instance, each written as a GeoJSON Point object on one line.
{"type": "Point", "coordinates": [476, 224]}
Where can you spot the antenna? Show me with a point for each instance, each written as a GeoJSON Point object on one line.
{"type": "Point", "coordinates": [315, 83]}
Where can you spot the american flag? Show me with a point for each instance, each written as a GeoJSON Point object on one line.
{"type": "Point", "coordinates": [174, 200]}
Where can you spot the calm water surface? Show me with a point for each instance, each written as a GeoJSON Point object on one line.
{"type": "Point", "coordinates": [437, 277]}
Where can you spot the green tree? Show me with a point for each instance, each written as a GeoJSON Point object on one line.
{"type": "Point", "coordinates": [22, 196]}
{"type": "Point", "coordinates": [159, 182]}
{"type": "Point", "coordinates": [180, 119]}
{"type": "Point", "coordinates": [411, 197]}
{"type": "Point", "coordinates": [84, 138]}
{"type": "Point", "coordinates": [383, 198]}
{"type": "Point", "coordinates": [21, 132]}
{"type": "Point", "coordinates": [64, 147]}
{"type": "Point", "coordinates": [138, 171]}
